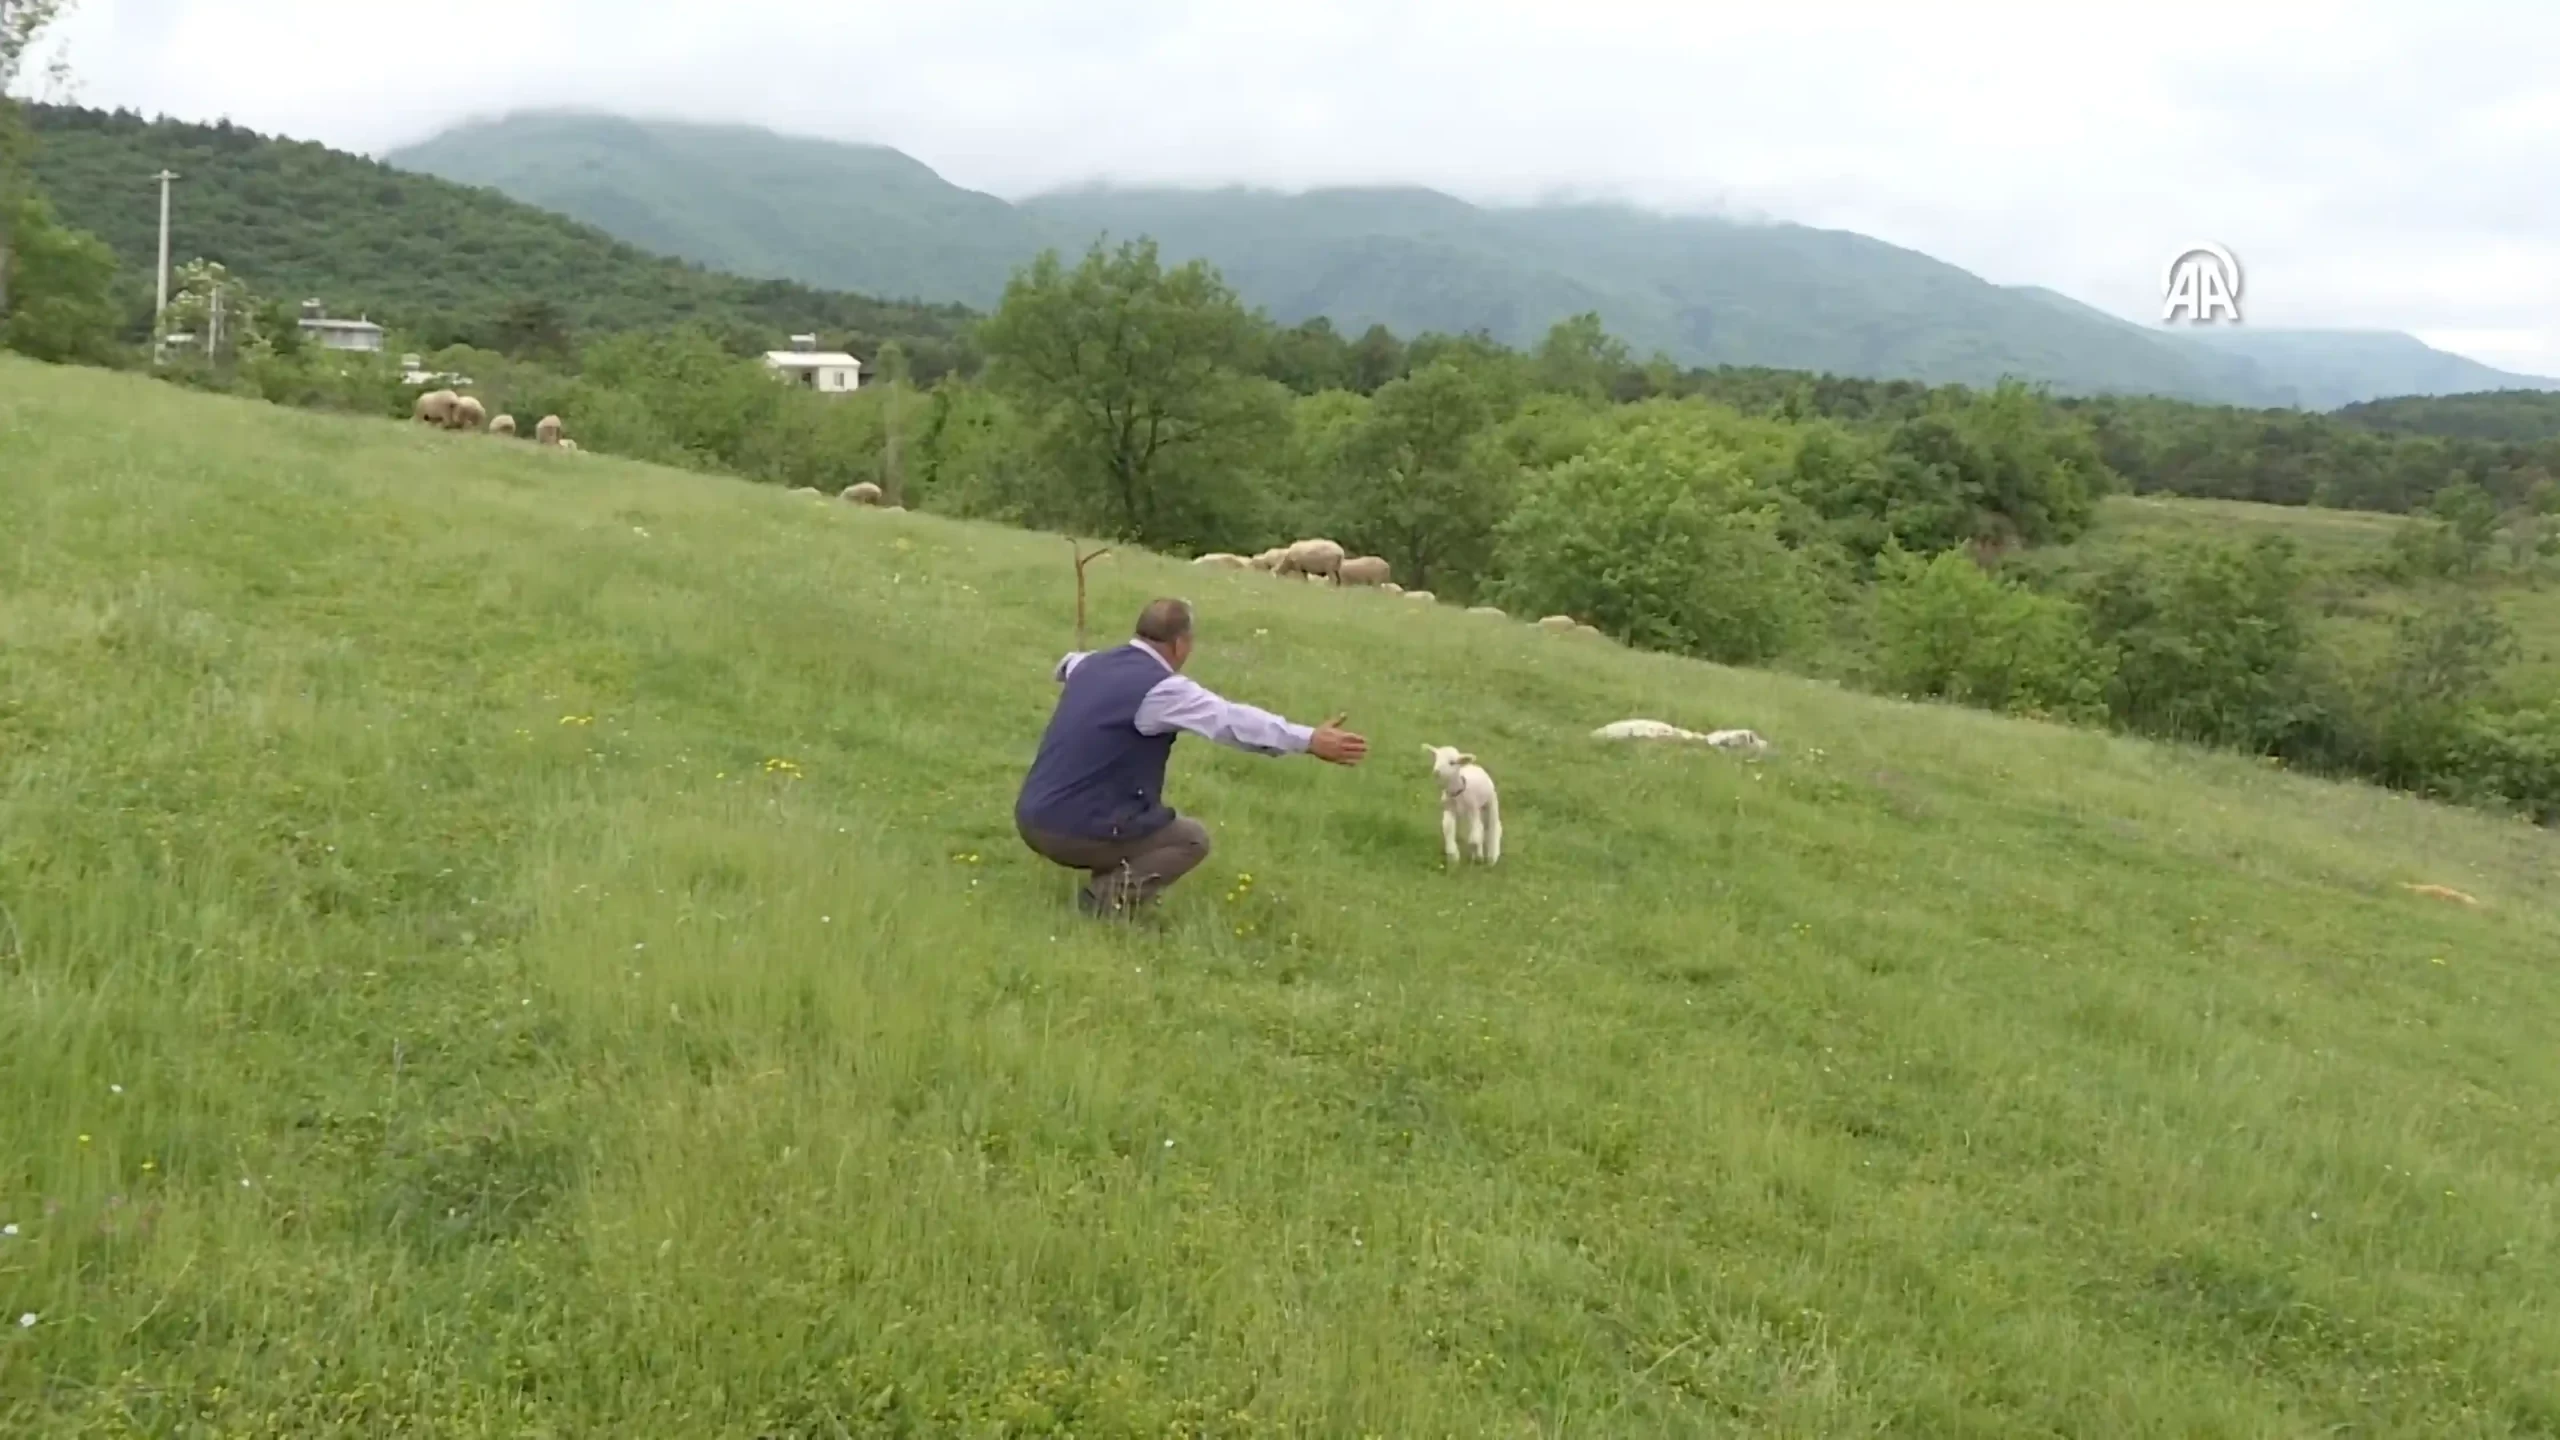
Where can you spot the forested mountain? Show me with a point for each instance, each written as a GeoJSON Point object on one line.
{"type": "Point", "coordinates": [296, 219]}
{"type": "Point", "coordinates": [2502, 417]}
{"type": "Point", "coordinates": [862, 218]}
{"type": "Point", "coordinates": [1704, 291]}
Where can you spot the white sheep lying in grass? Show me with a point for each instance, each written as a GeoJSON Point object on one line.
{"type": "Point", "coordinates": [1466, 796]}
{"type": "Point", "coordinates": [1744, 740]}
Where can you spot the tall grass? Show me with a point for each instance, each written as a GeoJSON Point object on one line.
{"type": "Point", "coordinates": [507, 943]}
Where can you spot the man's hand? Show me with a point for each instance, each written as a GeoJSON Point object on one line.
{"type": "Point", "coordinates": [1335, 745]}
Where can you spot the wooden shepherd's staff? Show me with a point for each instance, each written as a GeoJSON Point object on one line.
{"type": "Point", "coordinates": [1082, 560]}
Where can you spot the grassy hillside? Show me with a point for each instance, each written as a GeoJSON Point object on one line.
{"type": "Point", "coordinates": [1704, 291]}
{"type": "Point", "coordinates": [507, 942]}
{"type": "Point", "coordinates": [2344, 552]}
{"type": "Point", "coordinates": [297, 219]}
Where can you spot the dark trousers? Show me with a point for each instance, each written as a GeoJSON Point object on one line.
{"type": "Point", "coordinates": [1126, 873]}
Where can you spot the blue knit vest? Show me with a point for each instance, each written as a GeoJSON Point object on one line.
{"type": "Point", "coordinates": [1096, 777]}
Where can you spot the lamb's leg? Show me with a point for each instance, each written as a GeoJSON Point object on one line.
{"type": "Point", "coordinates": [1475, 832]}
{"type": "Point", "coordinates": [1449, 834]}
{"type": "Point", "coordinates": [1493, 832]}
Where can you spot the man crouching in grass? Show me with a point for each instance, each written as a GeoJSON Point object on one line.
{"type": "Point", "coordinates": [1094, 800]}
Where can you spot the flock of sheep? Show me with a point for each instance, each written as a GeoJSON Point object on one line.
{"type": "Point", "coordinates": [1321, 560]}
{"type": "Point", "coordinates": [449, 410]}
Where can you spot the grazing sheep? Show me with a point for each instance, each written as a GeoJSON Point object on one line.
{"type": "Point", "coordinates": [1466, 796]}
{"type": "Point", "coordinates": [503, 425]}
{"type": "Point", "coordinates": [435, 407]}
{"type": "Point", "coordinates": [1363, 570]}
{"type": "Point", "coordinates": [546, 431]}
{"type": "Point", "coordinates": [861, 493]}
{"type": "Point", "coordinates": [809, 491]}
{"type": "Point", "coordinates": [1221, 560]}
{"type": "Point", "coordinates": [1268, 561]}
{"type": "Point", "coordinates": [1311, 557]}
{"type": "Point", "coordinates": [1391, 588]}
{"type": "Point", "coordinates": [1424, 596]}
{"type": "Point", "coordinates": [1492, 611]}
{"type": "Point", "coordinates": [468, 413]}
{"type": "Point", "coordinates": [1556, 622]}
{"type": "Point", "coordinates": [1587, 629]}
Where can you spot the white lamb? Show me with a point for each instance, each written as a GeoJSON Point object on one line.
{"type": "Point", "coordinates": [1466, 794]}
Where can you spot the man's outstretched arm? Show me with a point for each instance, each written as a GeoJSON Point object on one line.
{"type": "Point", "coordinates": [1181, 703]}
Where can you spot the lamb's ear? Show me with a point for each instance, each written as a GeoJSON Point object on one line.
{"type": "Point", "coordinates": [1465, 759]}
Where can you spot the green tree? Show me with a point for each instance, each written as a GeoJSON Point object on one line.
{"type": "Point", "coordinates": [1376, 358]}
{"type": "Point", "coordinates": [1313, 488]}
{"type": "Point", "coordinates": [63, 307]}
{"type": "Point", "coordinates": [2212, 642]}
{"type": "Point", "coordinates": [1663, 541]}
{"type": "Point", "coordinates": [534, 329]}
{"type": "Point", "coordinates": [2422, 702]}
{"type": "Point", "coordinates": [1138, 377]}
{"type": "Point", "coordinates": [1426, 479]}
{"type": "Point", "coordinates": [1580, 357]}
{"type": "Point", "coordinates": [207, 301]}
{"type": "Point", "coordinates": [1310, 358]}
{"type": "Point", "coordinates": [2470, 514]}
{"type": "Point", "coordinates": [708, 403]}
{"type": "Point", "coordinates": [22, 22]}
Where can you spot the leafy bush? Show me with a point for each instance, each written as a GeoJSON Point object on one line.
{"type": "Point", "coordinates": [2212, 643]}
{"type": "Point", "coordinates": [1663, 543]}
{"type": "Point", "coordinates": [61, 291]}
{"type": "Point", "coordinates": [1947, 628]}
{"type": "Point", "coordinates": [2417, 716]}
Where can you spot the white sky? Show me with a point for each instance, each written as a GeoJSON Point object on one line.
{"type": "Point", "coordinates": [2372, 163]}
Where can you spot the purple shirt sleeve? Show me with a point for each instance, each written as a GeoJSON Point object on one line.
{"type": "Point", "coordinates": [1181, 703]}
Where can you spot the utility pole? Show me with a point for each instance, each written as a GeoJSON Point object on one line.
{"type": "Point", "coordinates": [160, 314]}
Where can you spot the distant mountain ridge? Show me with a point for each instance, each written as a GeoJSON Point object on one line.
{"type": "Point", "coordinates": [1702, 290]}
{"type": "Point", "coordinates": [297, 219]}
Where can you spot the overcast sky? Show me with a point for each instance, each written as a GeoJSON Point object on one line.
{"type": "Point", "coordinates": [2372, 164]}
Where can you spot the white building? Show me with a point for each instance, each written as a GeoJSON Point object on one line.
{"type": "Point", "coordinates": [331, 334]}
{"type": "Point", "coordinates": [830, 372]}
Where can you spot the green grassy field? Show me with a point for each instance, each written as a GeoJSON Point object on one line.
{"type": "Point", "coordinates": [502, 943]}
{"type": "Point", "coordinates": [2339, 550]}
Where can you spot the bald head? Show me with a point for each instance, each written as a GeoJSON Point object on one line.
{"type": "Point", "coordinates": [1166, 625]}
{"type": "Point", "coordinates": [1165, 621]}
